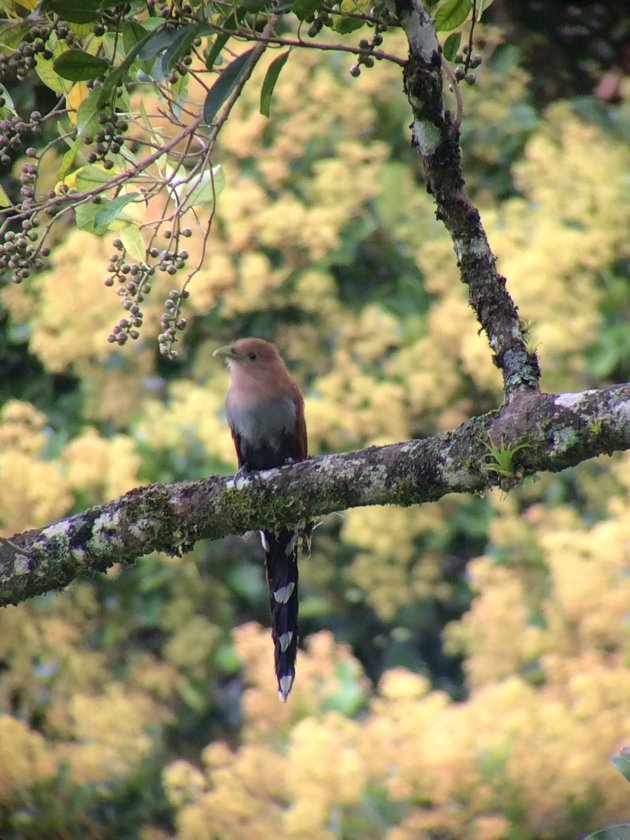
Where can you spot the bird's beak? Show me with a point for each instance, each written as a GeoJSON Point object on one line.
{"type": "Point", "coordinates": [225, 351]}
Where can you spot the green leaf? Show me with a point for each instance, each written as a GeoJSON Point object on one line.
{"type": "Point", "coordinates": [133, 242]}
{"type": "Point", "coordinates": [181, 44]}
{"type": "Point", "coordinates": [451, 13]}
{"type": "Point", "coordinates": [231, 22]}
{"type": "Point", "coordinates": [344, 25]}
{"type": "Point", "coordinates": [266, 91]}
{"type": "Point", "coordinates": [226, 659]}
{"type": "Point", "coordinates": [207, 189]}
{"type": "Point", "coordinates": [118, 74]}
{"type": "Point", "coordinates": [87, 115]}
{"type": "Point", "coordinates": [451, 46]}
{"type": "Point", "coordinates": [67, 161]}
{"type": "Point", "coordinates": [8, 101]}
{"type": "Point", "coordinates": [82, 30]}
{"type": "Point", "coordinates": [314, 606]}
{"type": "Point", "coordinates": [157, 43]}
{"type": "Point", "coordinates": [147, 124]}
{"type": "Point", "coordinates": [133, 33]}
{"type": "Point", "coordinates": [482, 5]}
{"type": "Point", "coordinates": [84, 216]}
{"type": "Point", "coordinates": [81, 11]}
{"type": "Point", "coordinates": [622, 761]}
{"type": "Point", "coordinates": [252, 6]}
{"type": "Point", "coordinates": [78, 66]}
{"type": "Point", "coordinates": [11, 37]}
{"type": "Point", "coordinates": [91, 176]}
{"type": "Point", "coordinates": [224, 86]}
{"type": "Point", "coordinates": [303, 9]}
{"type": "Point", "coordinates": [157, 73]}
{"type": "Point", "coordinates": [76, 11]}
{"type": "Point", "coordinates": [110, 211]}
{"type": "Point", "coordinates": [49, 76]}
{"type": "Point", "coordinates": [614, 832]}
{"type": "Point", "coordinates": [215, 50]}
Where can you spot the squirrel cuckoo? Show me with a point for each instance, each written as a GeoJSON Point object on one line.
{"type": "Point", "coordinates": [265, 412]}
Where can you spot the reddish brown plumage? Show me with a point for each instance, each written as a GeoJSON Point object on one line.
{"type": "Point", "coordinates": [265, 412]}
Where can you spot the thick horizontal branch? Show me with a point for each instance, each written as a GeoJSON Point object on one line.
{"type": "Point", "coordinates": [557, 431]}
{"type": "Point", "coordinates": [436, 137]}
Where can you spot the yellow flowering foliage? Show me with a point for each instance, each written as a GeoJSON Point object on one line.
{"type": "Point", "coordinates": [551, 243]}
{"type": "Point", "coordinates": [323, 674]}
{"type": "Point", "coordinates": [191, 642]}
{"type": "Point", "coordinates": [509, 757]}
{"type": "Point", "coordinates": [100, 467]}
{"type": "Point", "coordinates": [192, 416]}
{"type": "Point", "coordinates": [32, 491]}
{"type": "Point", "coordinates": [35, 490]}
{"type": "Point", "coordinates": [92, 677]}
{"type": "Point", "coordinates": [239, 797]}
{"type": "Point", "coordinates": [108, 736]}
{"type": "Point", "coordinates": [546, 645]}
{"type": "Point", "coordinates": [279, 224]}
{"type": "Point", "coordinates": [551, 246]}
{"type": "Point", "coordinates": [263, 214]}
{"type": "Point", "coordinates": [584, 569]}
{"type": "Point", "coordinates": [22, 427]}
{"type": "Point", "coordinates": [69, 311]}
{"type": "Point", "coordinates": [389, 569]}
{"type": "Point", "coordinates": [351, 404]}
{"type": "Point", "coordinates": [91, 731]}
{"type": "Point", "coordinates": [24, 755]}
{"type": "Point", "coordinates": [246, 793]}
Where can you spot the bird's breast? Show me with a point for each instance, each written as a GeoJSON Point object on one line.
{"type": "Point", "coordinates": [261, 421]}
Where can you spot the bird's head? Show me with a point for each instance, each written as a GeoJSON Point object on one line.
{"type": "Point", "coordinates": [250, 354]}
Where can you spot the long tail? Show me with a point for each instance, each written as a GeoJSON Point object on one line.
{"type": "Point", "coordinates": [281, 564]}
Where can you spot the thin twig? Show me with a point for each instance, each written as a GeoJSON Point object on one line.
{"type": "Point", "coordinates": [471, 34]}
{"type": "Point", "coordinates": [295, 42]}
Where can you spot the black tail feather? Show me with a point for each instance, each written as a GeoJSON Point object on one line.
{"type": "Point", "coordinates": [281, 564]}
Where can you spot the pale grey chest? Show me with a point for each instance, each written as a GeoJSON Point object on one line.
{"type": "Point", "coordinates": [254, 420]}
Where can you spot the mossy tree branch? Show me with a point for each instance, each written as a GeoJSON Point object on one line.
{"type": "Point", "coordinates": [435, 134]}
{"type": "Point", "coordinates": [559, 431]}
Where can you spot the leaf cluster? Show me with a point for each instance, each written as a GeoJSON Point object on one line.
{"type": "Point", "coordinates": [97, 61]}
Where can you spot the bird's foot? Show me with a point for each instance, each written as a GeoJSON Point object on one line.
{"type": "Point", "coordinates": [243, 474]}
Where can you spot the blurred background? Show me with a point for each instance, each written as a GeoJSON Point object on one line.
{"type": "Point", "coordinates": [465, 671]}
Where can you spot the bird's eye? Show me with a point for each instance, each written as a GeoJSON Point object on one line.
{"type": "Point", "coordinates": [252, 356]}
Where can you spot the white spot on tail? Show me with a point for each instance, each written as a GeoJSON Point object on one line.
{"type": "Point", "coordinates": [264, 541]}
{"type": "Point", "coordinates": [285, 683]}
{"type": "Point", "coordinates": [283, 594]}
{"type": "Point", "coordinates": [285, 640]}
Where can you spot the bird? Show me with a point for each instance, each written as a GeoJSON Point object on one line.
{"type": "Point", "coordinates": [265, 413]}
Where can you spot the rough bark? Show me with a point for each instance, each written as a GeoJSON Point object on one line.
{"type": "Point", "coordinates": [557, 430]}
{"type": "Point", "coordinates": [435, 135]}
